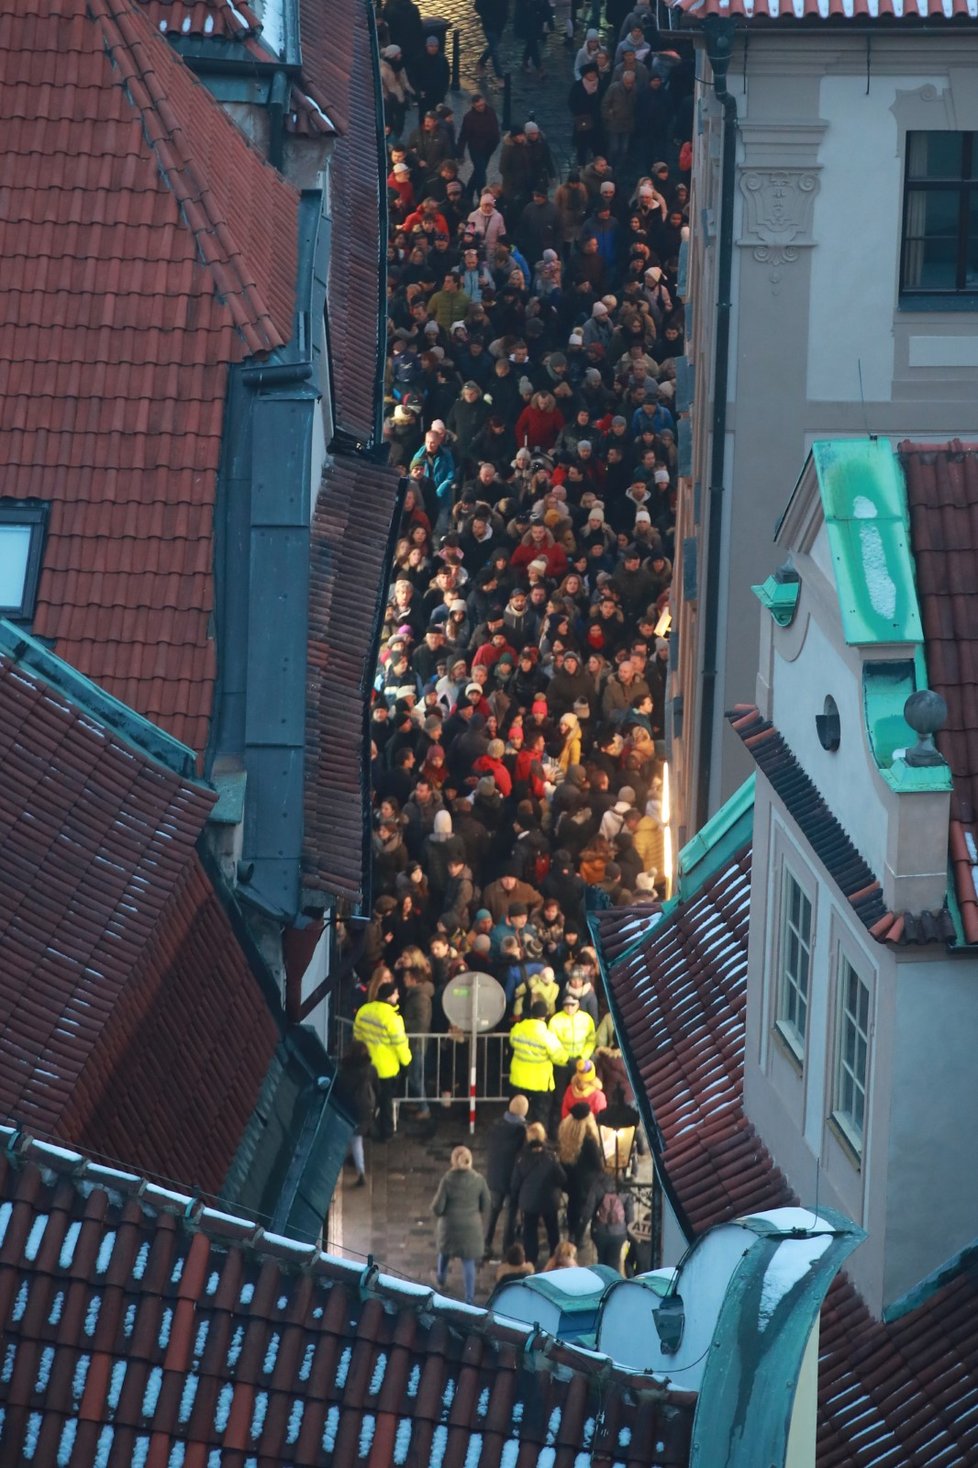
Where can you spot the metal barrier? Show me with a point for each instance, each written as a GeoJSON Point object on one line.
{"type": "Point", "coordinates": [440, 1073]}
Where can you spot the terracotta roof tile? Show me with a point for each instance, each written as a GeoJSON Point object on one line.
{"type": "Point", "coordinates": [903, 1394]}
{"type": "Point", "coordinates": [942, 495]}
{"type": "Point", "coordinates": [121, 176]}
{"type": "Point", "coordinates": [350, 559]}
{"type": "Point", "coordinates": [820, 827]}
{"type": "Point", "coordinates": [838, 11]}
{"type": "Point", "coordinates": [128, 1015]}
{"type": "Point", "coordinates": [678, 999]}
{"type": "Point", "coordinates": [339, 48]}
{"type": "Point", "coordinates": [128, 1324]}
{"type": "Point", "coordinates": [218, 18]}
{"type": "Point", "coordinates": [620, 927]}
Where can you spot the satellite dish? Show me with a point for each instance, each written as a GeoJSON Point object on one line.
{"type": "Point", "coordinates": [474, 1001]}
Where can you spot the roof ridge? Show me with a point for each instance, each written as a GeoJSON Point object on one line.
{"type": "Point", "coordinates": [824, 831]}
{"type": "Point", "coordinates": [126, 38]}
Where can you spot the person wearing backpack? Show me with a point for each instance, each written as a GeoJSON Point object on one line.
{"type": "Point", "coordinates": [538, 1181]}
{"type": "Point", "coordinates": [609, 1223]}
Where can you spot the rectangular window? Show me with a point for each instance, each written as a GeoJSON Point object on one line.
{"type": "Point", "coordinates": [21, 543]}
{"type": "Point", "coordinates": [851, 1056]}
{"type": "Point", "coordinates": [940, 215]}
{"type": "Point", "coordinates": [795, 964]}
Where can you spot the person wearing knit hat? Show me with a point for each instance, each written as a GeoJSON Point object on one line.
{"type": "Point", "coordinates": [598, 309]}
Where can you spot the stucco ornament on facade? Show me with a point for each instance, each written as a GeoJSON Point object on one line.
{"type": "Point", "coordinates": [779, 207]}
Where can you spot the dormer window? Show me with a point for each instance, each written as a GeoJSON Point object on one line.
{"type": "Point", "coordinates": [21, 544]}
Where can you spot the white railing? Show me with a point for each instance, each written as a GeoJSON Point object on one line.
{"type": "Point", "coordinates": [443, 1066]}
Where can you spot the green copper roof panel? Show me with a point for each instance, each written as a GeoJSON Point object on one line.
{"type": "Point", "coordinates": [743, 1415]}
{"type": "Point", "coordinates": [865, 506]}
{"type": "Point", "coordinates": [727, 830]}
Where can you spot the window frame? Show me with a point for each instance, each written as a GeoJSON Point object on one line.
{"type": "Point", "coordinates": [959, 297]}
{"type": "Point", "coordinates": [843, 1118]}
{"type": "Point", "coordinates": [786, 983]}
{"type": "Point", "coordinates": [36, 516]}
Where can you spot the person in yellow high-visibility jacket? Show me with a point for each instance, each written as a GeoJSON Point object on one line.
{"type": "Point", "coordinates": [381, 1028]}
{"type": "Point", "coordinates": [535, 1053]}
{"type": "Point", "coordinates": [574, 1029]}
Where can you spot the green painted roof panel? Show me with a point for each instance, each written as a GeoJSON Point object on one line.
{"type": "Point", "coordinates": [865, 506]}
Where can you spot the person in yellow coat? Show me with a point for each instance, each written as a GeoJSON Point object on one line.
{"type": "Point", "coordinates": [379, 1025]}
{"type": "Point", "coordinates": [574, 1029]}
{"type": "Point", "coordinates": [535, 1053]}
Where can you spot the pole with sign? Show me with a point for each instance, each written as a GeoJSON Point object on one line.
{"type": "Point", "coordinates": [474, 1002]}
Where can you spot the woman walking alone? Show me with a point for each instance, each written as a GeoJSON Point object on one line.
{"type": "Point", "coordinates": [538, 1181]}
{"type": "Point", "coordinates": [461, 1206]}
{"type": "Point", "coordinates": [579, 1153]}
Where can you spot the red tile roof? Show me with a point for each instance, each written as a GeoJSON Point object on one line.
{"type": "Point", "coordinates": [140, 1326]}
{"type": "Point", "coordinates": [621, 927]}
{"type": "Point", "coordinates": [858, 11]}
{"type": "Point", "coordinates": [350, 560]}
{"type": "Point", "coordinates": [942, 495]}
{"type": "Point", "coordinates": [219, 18]}
{"type": "Point", "coordinates": [221, 21]}
{"type": "Point", "coordinates": [898, 1395]}
{"type": "Point", "coordinates": [145, 247]}
{"type": "Point", "coordinates": [678, 998]}
{"type": "Point", "coordinates": [339, 49]}
{"type": "Point", "coordinates": [129, 1019]}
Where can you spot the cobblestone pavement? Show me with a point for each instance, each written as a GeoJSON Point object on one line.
{"type": "Point", "coordinates": [390, 1219]}
{"type": "Point", "coordinates": [543, 101]}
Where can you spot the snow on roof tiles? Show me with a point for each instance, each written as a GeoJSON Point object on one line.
{"type": "Point", "coordinates": [158, 1322]}
{"type": "Point", "coordinates": [896, 1395]}
{"type": "Point", "coordinates": [859, 11]}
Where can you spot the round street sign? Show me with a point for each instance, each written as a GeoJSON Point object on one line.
{"type": "Point", "coordinates": [474, 1001]}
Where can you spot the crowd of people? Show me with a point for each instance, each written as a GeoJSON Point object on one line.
{"type": "Point", "coordinates": [517, 721]}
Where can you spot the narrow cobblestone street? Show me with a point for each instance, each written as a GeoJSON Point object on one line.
{"type": "Point", "coordinates": [543, 101]}
{"type": "Point", "coordinates": [390, 1219]}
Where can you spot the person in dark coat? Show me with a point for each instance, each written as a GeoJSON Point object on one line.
{"type": "Point", "coordinates": [356, 1083]}
{"type": "Point", "coordinates": [405, 27]}
{"type": "Point", "coordinates": [503, 1146]}
{"type": "Point", "coordinates": [430, 76]}
{"type": "Point", "coordinates": [579, 1151]}
{"type": "Point", "coordinates": [538, 1181]}
{"type": "Point", "coordinates": [480, 134]}
{"type": "Point", "coordinates": [460, 1206]}
{"type": "Point", "coordinates": [493, 15]}
{"type": "Point", "coordinates": [532, 18]}
{"type": "Point", "coordinates": [584, 103]}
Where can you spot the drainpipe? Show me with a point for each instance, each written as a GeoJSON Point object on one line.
{"type": "Point", "coordinates": [278, 101]}
{"type": "Point", "coordinates": [719, 33]}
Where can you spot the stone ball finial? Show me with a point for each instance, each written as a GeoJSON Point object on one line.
{"type": "Point", "coordinates": [926, 712]}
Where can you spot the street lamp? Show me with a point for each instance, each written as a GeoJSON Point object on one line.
{"type": "Point", "coordinates": [617, 1124]}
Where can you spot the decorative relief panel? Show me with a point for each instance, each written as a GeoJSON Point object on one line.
{"type": "Point", "coordinates": [779, 205]}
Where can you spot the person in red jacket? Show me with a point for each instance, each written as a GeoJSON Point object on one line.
{"type": "Point", "coordinates": [429, 217]}
{"type": "Point", "coordinates": [538, 544]}
{"type": "Point", "coordinates": [540, 422]}
{"type": "Point", "coordinates": [490, 652]}
{"type": "Point", "coordinates": [491, 763]}
{"type": "Point", "coordinates": [528, 765]}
